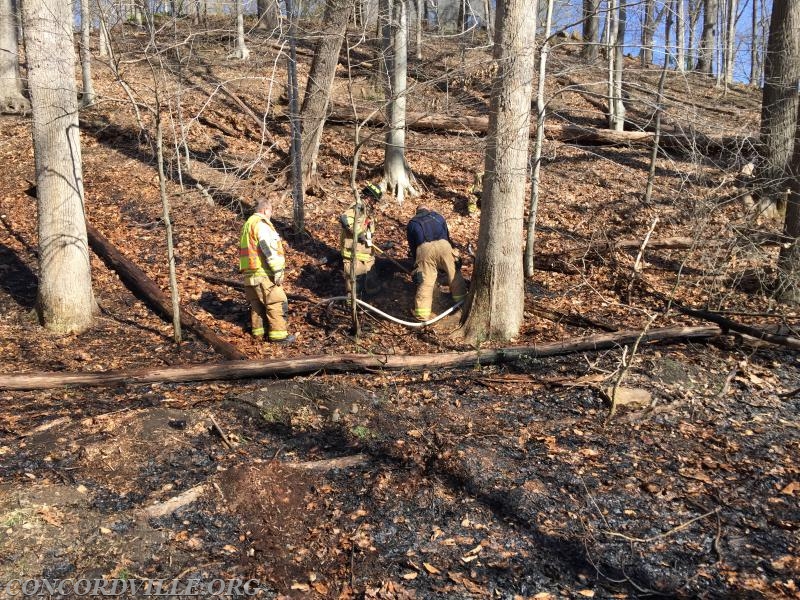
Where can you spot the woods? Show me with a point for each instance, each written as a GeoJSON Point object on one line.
{"type": "Point", "coordinates": [612, 411]}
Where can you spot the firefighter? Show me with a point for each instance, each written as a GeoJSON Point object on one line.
{"type": "Point", "coordinates": [366, 278]}
{"type": "Point", "coordinates": [430, 248]}
{"type": "Point", "coordinates": [475, 193]}
{"type": "Point", "coordinates": [262, 264]}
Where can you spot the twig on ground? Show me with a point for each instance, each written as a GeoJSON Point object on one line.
{"type": "Point", "coordinates": [660, 535]}
{"type": "Point", "coordinates": [220, 431]}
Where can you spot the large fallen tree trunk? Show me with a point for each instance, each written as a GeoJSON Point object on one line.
{"type": "Point", "coordinates": [351, 363]}
{"type": "Point", "coordinates": [575, 134]}
{"type": "Point", "coordinates": [144, 287]}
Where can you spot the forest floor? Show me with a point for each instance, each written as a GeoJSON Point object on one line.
{"type": "Point", "coordinates": [489, 482]}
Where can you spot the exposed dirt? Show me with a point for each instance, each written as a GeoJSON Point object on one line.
{"type": "Point", "coordinates": [502, 482]}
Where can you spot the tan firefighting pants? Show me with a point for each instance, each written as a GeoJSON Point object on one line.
{"type": "Point", "coordinates": [269, 306]}
{"type": "Point", "coordinates": [433, 257]}
{"type": "Point", "coordinates": [366, 277]}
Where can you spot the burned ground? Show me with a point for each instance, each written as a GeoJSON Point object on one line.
{"type": "Point", "coordinates": [494, 481]}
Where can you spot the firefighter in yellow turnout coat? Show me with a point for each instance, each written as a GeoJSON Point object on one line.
{"type": "Point", "coordinates": [429, 245]}
{"type": "Point", "coordinates": [363, 230]}
{"type": "Point", "coordinates": [262, 264]}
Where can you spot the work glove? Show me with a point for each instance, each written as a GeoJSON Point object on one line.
{"type": "Point", "coordinates": [458, 262]}
{"type": "Point", "coordinates": [417, 278]}
{"type": "Point", "coordinates": [368, 238]}
{"type": "Point", "coordinates": [278, 278]}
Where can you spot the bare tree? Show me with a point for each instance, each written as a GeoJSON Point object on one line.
{"type": "Point", "coordinates": [680, 35]}
{"type": "Point", "coordinates": [11, 97]}
{"type": "Point", "coordinates": [708, 39]}
{"type": "Point", "coordinates": [320, 79]}
{"type": "Point", "coordinates": [269, 14]}
{"type": "Point", "coordinates": [648, 29]}
{"type": "Point", "coordinates": [242, 52]}
{"type": "Point", "coordinates": [537, 145]}
{"type": "Point", "coordinates": [788, 286]}
{"type": "Point", "coordinates": [65, 299]}
{"type": "Point", "coordinates": [779, 98]}
{"type": "Point", "coordinates": [496, 299]}
{"type": "Point", "coordinates": [591, 30]}
{"type": "Point", "coordinates": [397, 175]}
{"type": "Point", "coordinates": [86, 54]}
{"type": "Point", "coordinates": [730, 39]}
{"type": "Point", "coordinates": [616, 65]}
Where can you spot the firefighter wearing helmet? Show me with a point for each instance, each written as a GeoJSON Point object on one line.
{"type": "Point", "coordinates": [360, 230]}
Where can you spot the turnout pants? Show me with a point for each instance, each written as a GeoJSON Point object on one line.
{"type": "Point", "coordinates": [269, 307]}
{"type": "Point", "coordinates": [431, 258]}
{"type": "Point", "coordinates": [366, 277]}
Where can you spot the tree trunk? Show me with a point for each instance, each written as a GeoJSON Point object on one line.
{"type": "Point", "coordinates": [779, 98]}
{"type": "Point", "coordinates": [104, 43]}
{"type": "Point", "coordinates": [397, 175]}
{"type": "Point", "coordinates": [86, 54]}
{"type": "Point", "coordinates": [352, 363]}
{"type": "Point", "coordinates": [788, 287]}
{"type": "Point", "coordinates": [487, 12]}
{"type": "Point", "coordinates": [268, 14]}
{"type": "Point", "coordinates": [65, 299]}
{"type": "Point", "coordinates": [298, 189]}
{"type": "Point", "coordinates": [648, 28]}
{"type": "Point", "coordinates": [320, 81]}
{"type": "Point", "coordinates": [11, 99]}
{"type": "Point", "coordinates": [419, 9]}
{"type": "Point", "coordinates": [730, 40]}
{"type": "Point", "coordinates": [680, 36]}
{"type": "Point", "coordinates": [537, 146]}
{"type": "Point", "coordinates": [651, 175]}
{"type": "Point", "coordinates": [162, 186]}
{"type": "Point", "coordinates": [708, 39]}
{"type": "Point", "coordinates": [616, 103]}
{"type": "Point", "coordinates": [694, 17]}
{"type": "Point", "coordinates": [496, 298]}
{"type": "Point", "coordinates": [591, 30]}
{"type": "Point", "coordinates": [755, 75]}
{"type": "Point", "coordinates": [242, 52]}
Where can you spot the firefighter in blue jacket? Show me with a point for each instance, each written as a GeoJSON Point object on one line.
{"type": "Point", "coordinates": [430, 248]}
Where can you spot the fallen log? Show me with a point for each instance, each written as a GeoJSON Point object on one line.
{"type": "Point", "coordinates": [567, 133]}
{"type": "Point", "coordinates": [349, 363]}
{"type": "Point", "coordinates": [729, 325]}
{"type": "Point", "coordinates": [144, 287]}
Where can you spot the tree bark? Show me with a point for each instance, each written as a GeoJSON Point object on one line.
{"type": "Point", "coordinates": [350, 363]}
{"type": "Point", "coordinates": [397, 175]}
{"type": "Point", "coordinates": [779, 102]}
{"type": "Point", "coordinates": [618, 114]}
{"type": "Point", "coordinates": [496, 298]}
{"type": "Point", "coordinates": [86, 54]}
{"type": "Point", "coordinates": [708, 39]}
{"type": "Point", "coordinates": [138, 282]}
{"type": "Point", "coordinates": [648, 29]}
{"type": "Point", "coordinates": [12, 100]}
{"type": "Point", "coordinates": [730, 39]}
{"type": "Point", "coordinates": [268, 14]}
{"type": "Point", "coordinates": [680, 36]}
{"type": "Point", "coordinates": [530, 240]}
{"type": "Point", "coordinates": [65, 299]}
{"type": "Point", "coordinates": [320, 81]}
{"type": "Point", "coordinates": [242, 52]}
{"type": "Point", "coordinates": [788, 285]}
{"type": "Point", "coordinates": [591, 30]}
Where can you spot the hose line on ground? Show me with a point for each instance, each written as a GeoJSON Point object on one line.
{"type": "Point", "coordinates": [414, 324]}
